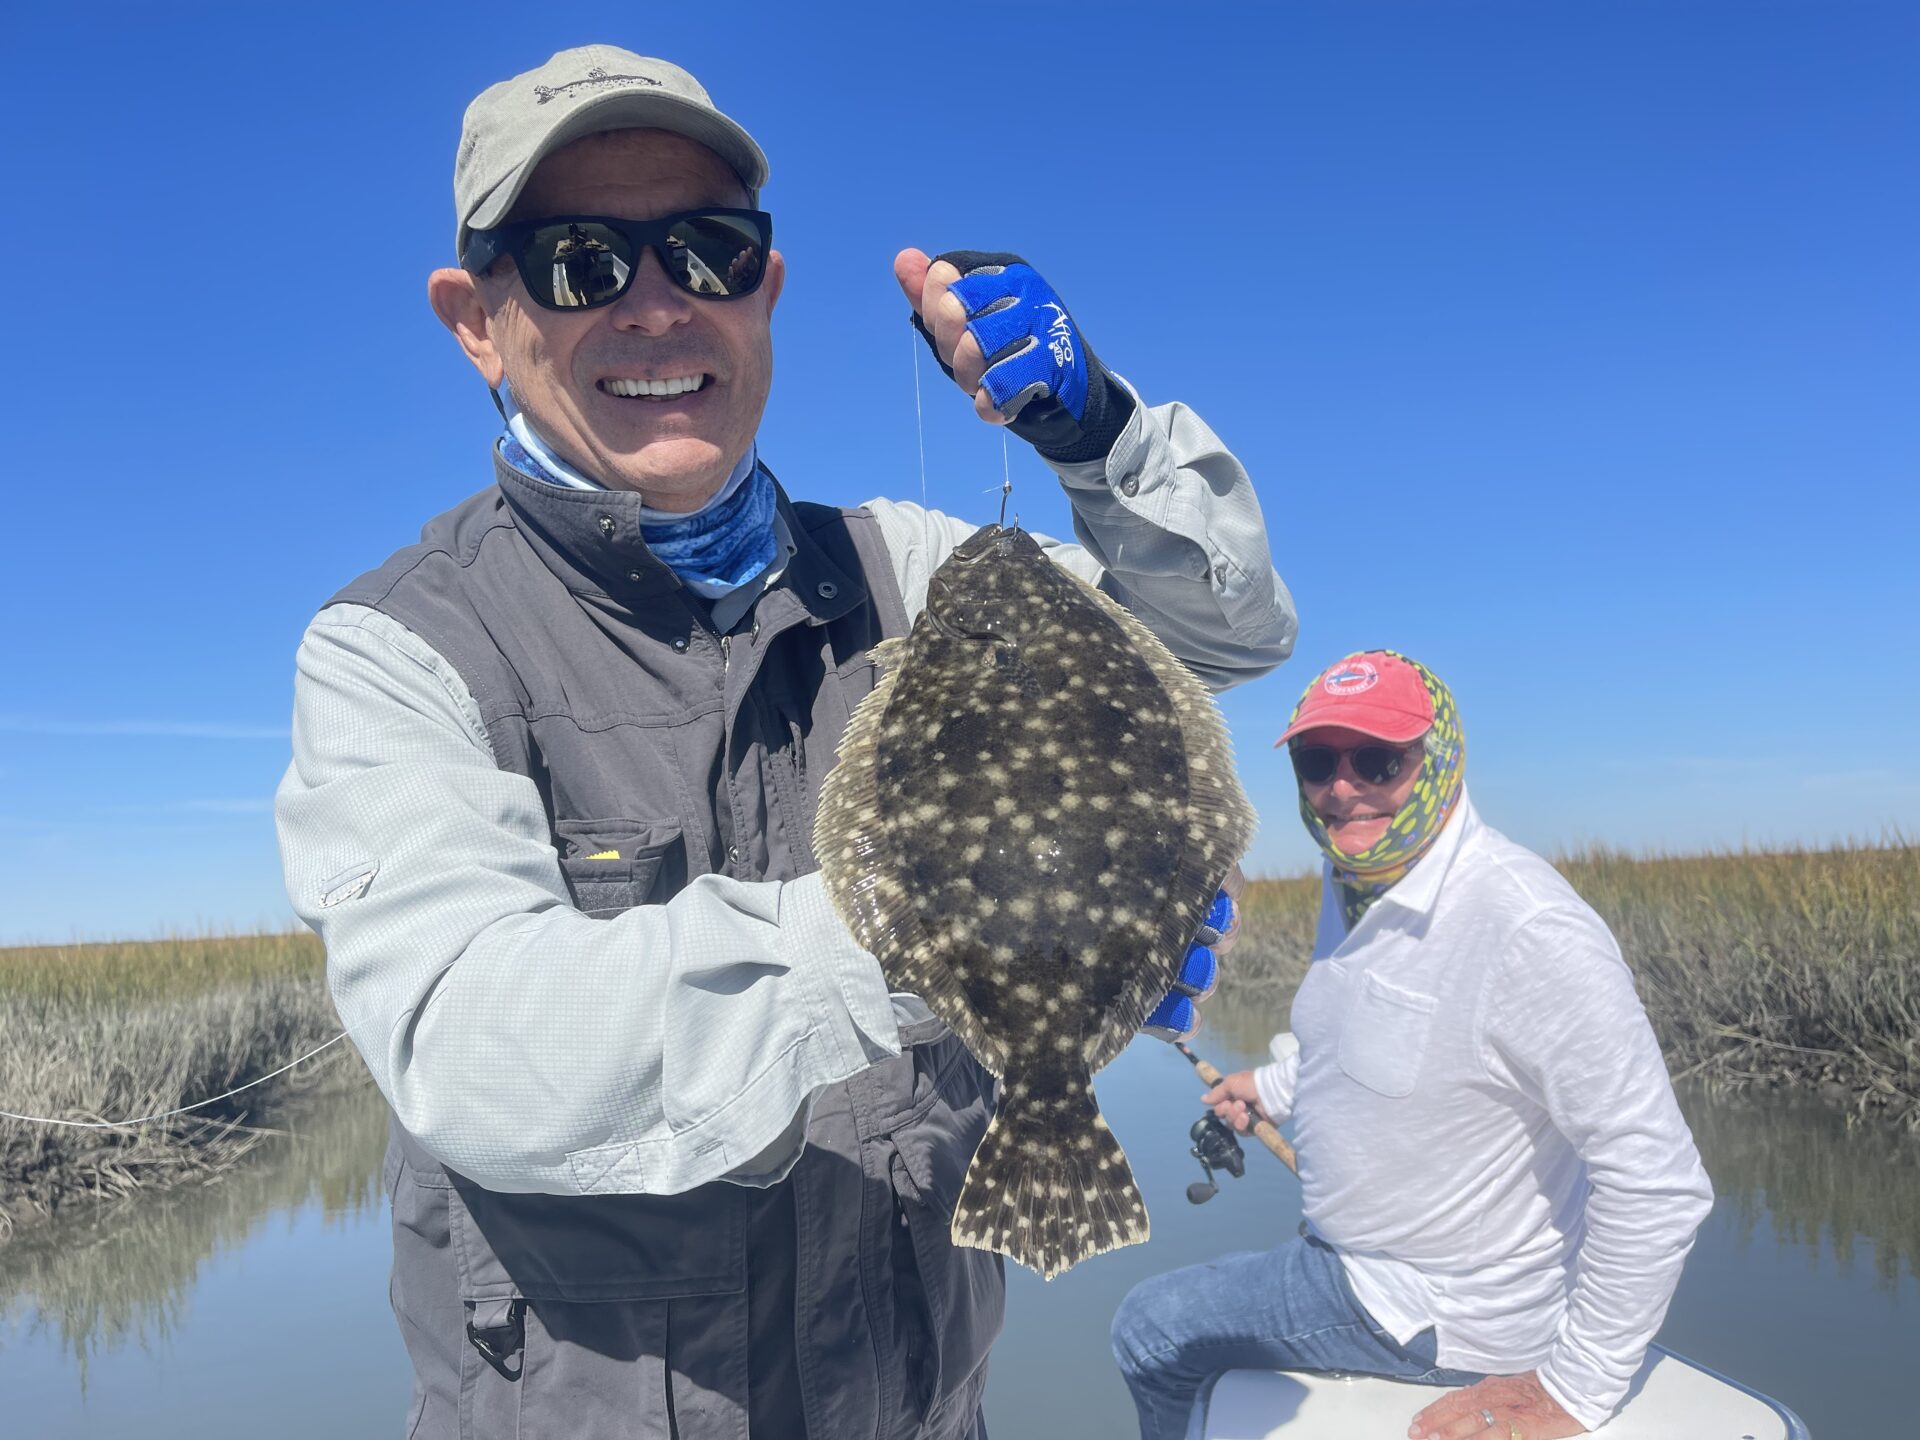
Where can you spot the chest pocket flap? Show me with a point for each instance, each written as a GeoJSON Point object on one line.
{"type": "Point", "coordinates": [612, 865]}
{"type": "Point", "coordinates": [1385, 1037]}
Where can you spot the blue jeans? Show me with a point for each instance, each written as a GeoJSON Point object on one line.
{"type": "Point", "coordinates": [1285, 1309]}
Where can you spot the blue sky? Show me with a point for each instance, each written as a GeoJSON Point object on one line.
{"type": "Point", "coordinates": [1573, 349]}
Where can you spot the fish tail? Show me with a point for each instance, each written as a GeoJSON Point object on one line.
{"type": "Point", "coordinates": [1049, 1185]}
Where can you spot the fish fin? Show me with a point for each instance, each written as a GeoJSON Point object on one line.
{"type": "Point", "coordinates": [876, 906]}
{"type": "Point", "coordinates": [924, 971]}
{"type": "Point", "coordinates": [889, 654]}
{"type": "Point", "coordinates": [1049, 1191]}
{"type": "Point", "coordinates": [1219, 823]}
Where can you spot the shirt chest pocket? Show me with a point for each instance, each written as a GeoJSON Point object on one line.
{"type": "Point", "coordinates": [612, 865]}
{"type": "Point", "coordinates": [1385, 1036]}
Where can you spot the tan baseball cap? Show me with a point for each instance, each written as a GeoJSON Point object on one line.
{"type": "Point", "coordinates": [511, 127]}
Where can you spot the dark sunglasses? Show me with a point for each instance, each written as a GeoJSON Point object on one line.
{"type": "Point", "coordinates": [1375, 764]}
{"type": "Point", "coordinates": [576, 262]}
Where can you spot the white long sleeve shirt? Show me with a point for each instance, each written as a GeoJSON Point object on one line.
{"type": "Point", "coordinates": [684, 1039]}
{"type": "Point", "coordinates": [1486, 1130]}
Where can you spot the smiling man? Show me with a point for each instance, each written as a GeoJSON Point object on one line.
{"type": "Point", "coordinates": [1499, 1188]}
{"type": "Point", "coordinates": [668, 1158]}
{"type": "Point", "coordinates": [663, 393]}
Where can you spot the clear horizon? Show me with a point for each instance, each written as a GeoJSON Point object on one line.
{"type": "Point", "coordinates": [1572, 351]}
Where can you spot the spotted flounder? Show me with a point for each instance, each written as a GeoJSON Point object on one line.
{"type": "Point", "coordinates": [1028, 822]}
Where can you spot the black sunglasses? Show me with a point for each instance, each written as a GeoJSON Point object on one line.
{"type": "Point", "coordinates": [1375, 764]}
{"type": "Point", "coordinates": [576, 262]}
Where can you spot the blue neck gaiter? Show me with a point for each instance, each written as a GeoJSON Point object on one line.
{"type": "Point", "coordinates": [722, 545]}
{"type": "Point", "coordinates": [714, 550]}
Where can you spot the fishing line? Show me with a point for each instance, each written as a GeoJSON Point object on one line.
{"type": "Point", "coordinates": [919, 415]}
{"type": "Point", "coordinates": [168, 1114]}
{"type": "Point", "coordinates": [1006, 481]}
{"type": "Point", "coordinates": [920, 432]}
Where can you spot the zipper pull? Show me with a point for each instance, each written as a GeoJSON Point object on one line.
{"type": "Point", "coordinates": [726, 650]}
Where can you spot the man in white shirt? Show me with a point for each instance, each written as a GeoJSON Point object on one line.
{"type": "Point", "coordinates": [1498, 1184]}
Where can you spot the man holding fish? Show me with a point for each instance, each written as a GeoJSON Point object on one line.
{"type": "Point", "coordinates": [669, 1156]}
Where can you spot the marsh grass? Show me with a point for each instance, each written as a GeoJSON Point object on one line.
{"type": "Point", "coordinates": [1795, 968]}
{"type": "Point", "coordinates": [116, 1031]}
{"type": "Point", "coordinates": [129, 971]}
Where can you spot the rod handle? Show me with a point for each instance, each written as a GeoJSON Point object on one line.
{"type": "Point", "coordinates": [1263, 1130]}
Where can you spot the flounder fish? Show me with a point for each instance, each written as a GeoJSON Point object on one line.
{"type": "Point", "coordinates": [1030, 816]}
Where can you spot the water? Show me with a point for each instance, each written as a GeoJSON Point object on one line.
{"type": "Point", "coordinates": [264, 1298]}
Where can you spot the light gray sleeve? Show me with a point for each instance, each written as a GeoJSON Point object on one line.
{"type": "Point", "coordinates": [524, 1044]}
{"type": "Point", "coordinates": [1168, 525]}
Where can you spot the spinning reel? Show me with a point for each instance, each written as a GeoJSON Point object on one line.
{"type": "Point", "coordinates": [1216, 1147]}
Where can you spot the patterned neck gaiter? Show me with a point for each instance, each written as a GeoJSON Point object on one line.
{"type": "Point", "coordinates": [714, 550]}
{"type": "Point", "coordinates": [721, 547]}
{"type": "Point", "coordinates": [1365, 877]}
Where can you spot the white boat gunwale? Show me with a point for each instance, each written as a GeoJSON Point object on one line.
{"type": "Point", "coordinates": [1796, 1427]}
{"type": "Point", "coordinates": [1201, 1425]}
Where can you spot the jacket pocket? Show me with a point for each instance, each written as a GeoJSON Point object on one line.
{"type": "Point", "coordinates": [612, 865]}
{"type": "Point", "coordinates": [601, 1315]}
{"type": "Point", "coordinates": [1385, 1037]}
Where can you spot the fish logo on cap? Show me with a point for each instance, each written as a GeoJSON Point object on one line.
{"type": "Point", "coordinates": [1351, 678]}
{"type": "Point", "coordinates": [596, 79]}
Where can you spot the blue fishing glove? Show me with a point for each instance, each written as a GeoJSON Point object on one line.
{"type": "Point", "coordinates": [1178, 1015]}
{"type": "Point", "coordinates": [1040, 372]}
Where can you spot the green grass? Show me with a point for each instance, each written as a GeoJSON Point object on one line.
{"type": "Point", "coordinates": [1796, 968]}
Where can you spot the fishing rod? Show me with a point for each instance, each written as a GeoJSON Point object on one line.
{"type": "Point", "coordinates": [1214, 1143]}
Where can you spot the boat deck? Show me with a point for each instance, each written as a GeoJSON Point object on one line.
{"type": "Point", "coordinates": [1672, 1399]}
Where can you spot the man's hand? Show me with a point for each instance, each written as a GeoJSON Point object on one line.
{"type": "Point", "coordinates": [1177, 1016]}
{"type": "Point", "coordinates": [1520, 1405]}
{"type": "Point", "coordinates": [1236, 1100]}
{"type": "Point", "coordinates": [998, 329]}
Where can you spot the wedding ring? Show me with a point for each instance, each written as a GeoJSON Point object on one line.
{"type": "Point", "coordinates": [1487, 1415]}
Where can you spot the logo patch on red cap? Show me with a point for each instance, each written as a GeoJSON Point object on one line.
{"type": "Point", "coordinates": [1352, 677]}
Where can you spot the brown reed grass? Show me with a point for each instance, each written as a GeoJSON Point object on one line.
{"type": "Point", "coordinates": [121, 971]}
{"type": "Point", "coordinates": [1799, 968]}
{"type": "Point", "coordinates": [124, 1030]}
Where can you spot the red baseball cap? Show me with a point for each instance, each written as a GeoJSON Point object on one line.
{"type": "Point", "coordinates": [1373, 692]}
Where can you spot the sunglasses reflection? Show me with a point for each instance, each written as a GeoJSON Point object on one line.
{"type": "Point", "coordinates": [1374, 764]}
{"type": "Point", "coordinates": [586, 270]}
{"type": "Point", "coordinates": [583, 269]}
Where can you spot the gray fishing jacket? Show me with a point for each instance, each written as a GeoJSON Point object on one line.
{"type": "Point", "coordinates": [668, 1155]}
